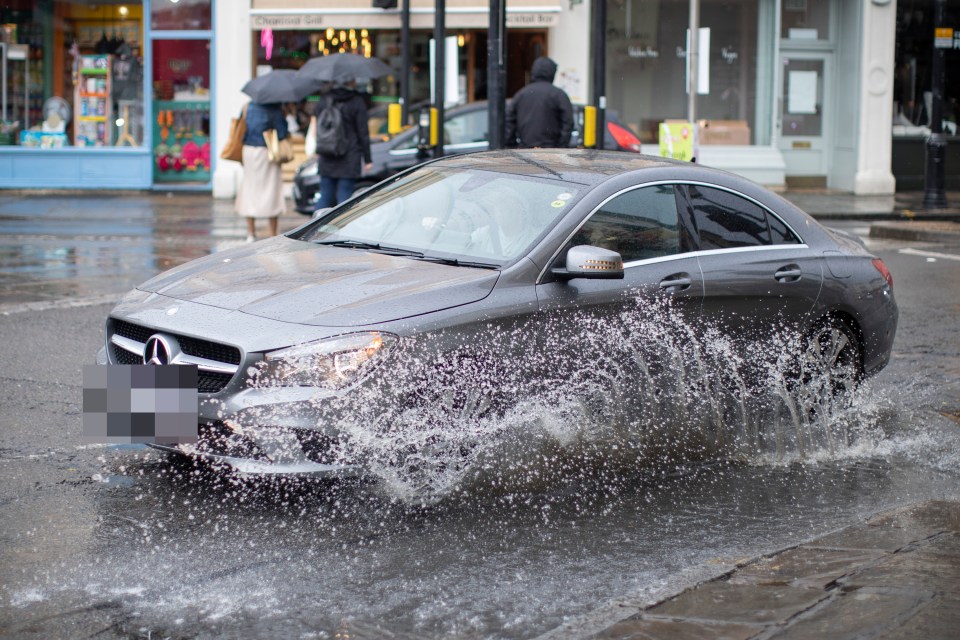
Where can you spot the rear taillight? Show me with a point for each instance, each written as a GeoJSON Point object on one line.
{"type": "Point", "coordinates": [624, 137]}
{"type": "Point", "coordinates": [882, 268]}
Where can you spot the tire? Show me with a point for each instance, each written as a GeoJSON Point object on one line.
{"type": "Point", "coordinates": [831, 365]}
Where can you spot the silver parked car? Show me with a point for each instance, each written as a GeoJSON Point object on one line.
{"type": "Point", "coordinates": [461, 287]}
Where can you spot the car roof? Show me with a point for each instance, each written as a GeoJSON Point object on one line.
{"type": "Point", "coordinates": [583, 166]}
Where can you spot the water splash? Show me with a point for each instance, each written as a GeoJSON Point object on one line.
{"type": "Point", "coordinates": [520, 406]}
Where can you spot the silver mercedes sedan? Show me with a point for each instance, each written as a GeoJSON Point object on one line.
{"type": "Point", "coordinates": [471, 289]}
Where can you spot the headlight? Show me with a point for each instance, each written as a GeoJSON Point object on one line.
{"type": "Point", "coordinates": [329, 363]}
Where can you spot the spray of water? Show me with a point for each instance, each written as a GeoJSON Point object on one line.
{"type": "Point", "coordinates": [519, 406]}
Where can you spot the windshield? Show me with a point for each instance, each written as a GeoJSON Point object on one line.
{"type": "Point", "coordinates": [464, 214]}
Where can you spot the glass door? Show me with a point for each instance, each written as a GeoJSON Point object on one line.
{"type": "Point", "coordinates": [803, 121]}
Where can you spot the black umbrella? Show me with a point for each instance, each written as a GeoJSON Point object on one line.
{"type": "Point", "coordinates": [340, 67]}
{"type": "Point", "coordinates": [281, 85]}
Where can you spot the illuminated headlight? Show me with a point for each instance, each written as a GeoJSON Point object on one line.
{"type": "Point", "coordinates": [330, 363]}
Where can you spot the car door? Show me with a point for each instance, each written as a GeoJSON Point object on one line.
{"type": "Point", "coordinates": [758, 274]}
{"type": "Point", "coordinates": [653, 236]}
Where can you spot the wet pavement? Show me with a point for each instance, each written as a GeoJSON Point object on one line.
{"type": "Point", "coordinates": [896, 574]}
{"type": "Point", "coordinates": [61, 248]}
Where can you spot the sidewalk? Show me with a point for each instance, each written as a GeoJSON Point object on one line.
{"type": "Point", "coordinates": [897, 217]}
{"type": "Point", "coordinates": [896, 575]}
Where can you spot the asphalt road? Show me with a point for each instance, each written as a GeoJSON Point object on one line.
{"type": "Point", "coordinates": [118, 542]}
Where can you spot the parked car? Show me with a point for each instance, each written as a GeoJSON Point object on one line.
{"type": "Point", "coordinates": [465, 131]}
{"type": "Point", "coordinates": [471, 283]}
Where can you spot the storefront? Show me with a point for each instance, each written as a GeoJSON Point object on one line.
{"type": "Point", "coordinates": [913, 96]}
{"type": "Point", "coordinates": [284, 34]}
{"type": "Point", "coordinates": [794, 94]}
{"type": "Point", "coordinates": [107, 95]}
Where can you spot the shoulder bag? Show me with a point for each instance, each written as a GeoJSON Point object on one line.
{"type": "Point", "coordinates": [233, 150]}
{"type": "Point", "coordinates": [279, 151]}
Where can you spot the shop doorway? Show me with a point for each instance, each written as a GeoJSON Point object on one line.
{"type": "Point", "coordinates": [523, 47]}
{"type": "Point", "coordinates": [804, 121]}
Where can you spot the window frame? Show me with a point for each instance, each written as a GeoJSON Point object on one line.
{"type": "Point", "coordinates": [685, 216]}
{"type": "Point", "coordinates": [685, 195]}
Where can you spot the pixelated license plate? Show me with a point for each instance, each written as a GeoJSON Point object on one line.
{"type": "Point", "coordinates": [140, 404]}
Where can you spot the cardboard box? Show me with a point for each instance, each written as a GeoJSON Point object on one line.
{"type": "Point", "coordinates": [724, 132]}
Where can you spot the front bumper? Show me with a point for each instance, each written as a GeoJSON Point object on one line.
{"type": "Point", "coordinates": [269, 431]}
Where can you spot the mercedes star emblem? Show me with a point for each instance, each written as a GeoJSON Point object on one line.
{"type": "Point", "coordinates": [157, 350]}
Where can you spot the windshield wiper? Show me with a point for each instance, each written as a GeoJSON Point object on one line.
{"type": "Point", "coordinates": [371, 246]}
{"type": "Point", "coordinates": [455, 262]}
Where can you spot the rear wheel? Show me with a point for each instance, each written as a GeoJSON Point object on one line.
{"type": "Point", "coordinates": [831, 364]}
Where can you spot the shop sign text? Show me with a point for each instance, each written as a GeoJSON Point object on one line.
{"type": "Point", "coordinates": [286, 23]}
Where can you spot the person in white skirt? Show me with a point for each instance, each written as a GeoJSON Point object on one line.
{"type": "Point", "coordinates": [261, 192]}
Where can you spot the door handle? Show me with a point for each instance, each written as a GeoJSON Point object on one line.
{"type": "Point", "coordinates": [676, 282]}
{"type": "Point", "coordinates": [789, 273]}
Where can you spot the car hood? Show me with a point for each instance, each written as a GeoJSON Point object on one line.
{"type": "Point", "coordinates": [293, 281]}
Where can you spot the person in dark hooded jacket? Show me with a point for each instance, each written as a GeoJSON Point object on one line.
{"type": "Point", "coordinates": [540, 114]}
{"type": "Point", "coordinates": [339, 174]}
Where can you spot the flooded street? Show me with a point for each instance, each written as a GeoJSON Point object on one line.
{"type": "Point", "coordinates": [122, 542]}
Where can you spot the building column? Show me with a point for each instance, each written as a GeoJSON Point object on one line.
{"type": "Point", "coordinates": [874, 175]}
{"type": "Point", "coordinates": [234, 44]}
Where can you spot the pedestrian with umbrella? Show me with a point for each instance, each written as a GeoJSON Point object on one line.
{"type": "Point", "coordinates": [339, 172]}
{"type": "Point", "coordinates": [261, 192]}
{"type": "Point", "coordinates": [341, 65]}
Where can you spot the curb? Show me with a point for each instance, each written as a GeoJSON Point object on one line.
{"type": "Point", "coordinates": [917, 231]}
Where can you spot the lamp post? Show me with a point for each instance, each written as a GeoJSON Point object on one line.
{"type": "Point", "coordinates": [496, 55]}
{"type": "Point", "coordinates": [405, 60]}
{"type": "Point", "coordinates": [934, 195]}
{"type": "Point", "coordinates": [599, 40]}
{"type": "Point", "coordinates": [439, 71]}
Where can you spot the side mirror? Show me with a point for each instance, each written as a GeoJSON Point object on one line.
{"type": "Point", "coordinates": [585, 261]}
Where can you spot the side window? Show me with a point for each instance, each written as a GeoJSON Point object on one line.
{"type": "Point", "coordinates": [725, 220]}
{"type": "Point", "coordinates": [639, 224]}
{"type": "Point", "coordinates": [779, 232]}
{"type": "Point", "coordinates": [469, 127]}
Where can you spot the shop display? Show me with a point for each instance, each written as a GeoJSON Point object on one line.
{"type": "Point", "coordinates": [181, 132]}
{"type": "Point", "coordinates": [92, 109]}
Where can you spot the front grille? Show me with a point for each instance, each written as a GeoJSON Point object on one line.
{"type": "Point", "coordinates": [209, 350]}
{"type": "Point", "coordinates": [122, 356]}
{"type": "Point", "coordinates": [208, 381]}
{"type": "Point", "coordinates": [190, 346]}
{"type": "Point", "coordinates": [211, 381]}
{"type": "Point", "coordinates": [132, 331]}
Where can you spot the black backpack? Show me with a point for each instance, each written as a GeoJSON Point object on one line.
{"type": "Point", "coordinates": [331, 133]}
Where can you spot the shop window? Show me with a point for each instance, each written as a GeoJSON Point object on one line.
{"type": "Point", "coordinates": [73, 73]}
{"type": "Point", "coordinates": [180, 15]}
{"type": "Point", "coordinates": [181, 109]}
{"type": "Point", "coordinates": [913, 81]}
{"type": "Point", "coordinates": [646, 66]}
{"type": "Point", "coordinates": [805, 20]}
